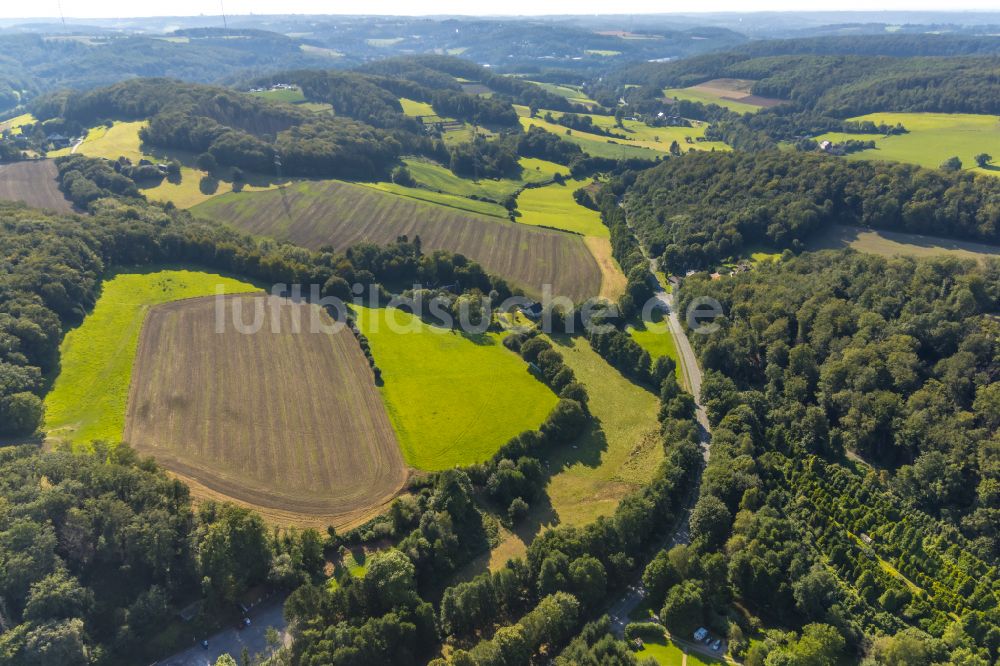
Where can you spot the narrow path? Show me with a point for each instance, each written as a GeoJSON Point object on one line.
{"type": "Point", "coordinates": [76, 145]}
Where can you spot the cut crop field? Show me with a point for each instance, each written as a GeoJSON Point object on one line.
{"type": "Point", "coordinates": [932, 138]}
{"type": "Point", "coordinates": [554, 206]}
{"type": "Point", "coordinates": [87, 401]}
{"type": "Point", "coordinates": [35, 184]}
{"type": "Point", "coordinates": [122, 139]}
{"type": "Point", "coordinates": [286, 421]}
{"type": "Point", "coordinates": [733, 94]}
{"type": "Point", "coordinates": [892, 243]}
{"type": "Point", "coordinates": [453, 398]}
{"type": "Point", "coordinates": [317, 213]}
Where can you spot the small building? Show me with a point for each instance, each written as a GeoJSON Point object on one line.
{"type": "Point", "coordinates": [866, 539]}
{"type": "Point", "coordinates": [825, 146]}
{"type": "Point", "coordinates": [700, 634]}
{"type": "Point", "coordinates": [58, 140]}
{"type": "Point", "coordinates": [532, 311]}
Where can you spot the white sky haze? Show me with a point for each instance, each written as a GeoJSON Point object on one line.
{"type": "Point", "coordinates": [131, 8]}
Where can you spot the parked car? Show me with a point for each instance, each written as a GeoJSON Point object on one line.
{"type": "Point", "coordinates": [717, 645]}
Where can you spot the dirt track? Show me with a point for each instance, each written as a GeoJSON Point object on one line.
{"type": "Point", "coordinates": [34, 183]}
{"type": "Point", "coordinates": [289, 424]}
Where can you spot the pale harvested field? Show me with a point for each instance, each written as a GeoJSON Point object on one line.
{"type": "Point", "coordinates": [289, 424]}
{"type": "Point", "coordinates": [35, 184]}
{"type": "Point", "coordinates": [330, 212]}
{"type": "Point", "coordinates": [894, 244]}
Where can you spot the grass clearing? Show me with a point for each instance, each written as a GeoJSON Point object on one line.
{"type": "Point", "coordinates": [286, 95]}
{"type": "Point", "coordinates": [654, 336]}
{"type": "Point", "coordinates": [286, 421]}
{"type": "Point", "coordinates": [415, 109]}
{"type": "Point", "coordinates": [442, 199]}
{"type": "Point", "coordinates": [35, 184]}
{"type": "Point", "coordinates": [317, 213]}
{"type": "Point", "coordinates": [932, 139]}
{"type": "Point", "coordinates": [892, 243]}
{"type": "Point", "coordinates": [666, 653]}
{"type": "Point", "coordinates": [553, 206]}
{"type": "Point", "coordinates": [641, 135]}
{"type": "Point", "coordinates": [594, 144]}
{"type": "Point", "coordinates": [616, 456]}
{"type": "Point", "coordinates": [453, 398]}
{"type": "Point", "coordinates": [17, 122]}
{"type": "Point", "coordinates": [122, 139]}
{"type": "Point", "coordinates": [88, 398]}
{"type": "Point", "coordinates": [574, 94]}
{"type": "Point", "coordinates": [433, 176]}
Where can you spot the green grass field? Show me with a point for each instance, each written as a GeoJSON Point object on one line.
{"type": "Point", "coordinates": [594, 144]}
{"type": "Point", "coordinates": [655, 138]}
{"type": "Point", "coordinates": [574, 94]}
{"type": "Point", "coordinates": [288, 96]}
{"type": "Point", "coordinates": [414, 108]}
{"type": "Point", "coordinates": [122, 139]}
{"type": "Point", "coordinates": [453, 399]}
{"type": "Point", "coordinates": [643, 141]}
{"type": "Point", "coordinates": [88, 399]}
{"type": "Point", "coordinates": [932, 139]}
{"type": "Point", "coordinates": [442, 199]}
{"type": "Point", "coordinates": [666, 653]}
{"type": "Point", "coordinates": [655, 337]}
{"type": "Point", "coordinates": [433, 176]}
{"type": "Point", "coordinates": [554, 206]}
{"type": "Point", "coordinates": [613, 460]}
{"type": "Point", "coordinates": [14, 124]}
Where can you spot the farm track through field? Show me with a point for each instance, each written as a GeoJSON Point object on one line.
{"type": "Point", "coordinates": [289, 424]}
{"type": "Point", "coordinates": [318, 213]}
{"type": "Point", "coordinates": [33, 183]}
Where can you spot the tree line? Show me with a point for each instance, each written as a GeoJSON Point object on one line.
{"type": "Point", "coordinates": [704, 208]}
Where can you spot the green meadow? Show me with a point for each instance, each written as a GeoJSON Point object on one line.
{"type": "Point", "coordinates": [122, 140]}
{"type": "Point", "coordinates": [932, 139]}
{"type": "Point", "coordinates": [453, 398]}
{"type": "Point", "coordinates": [442, 199]}
{"type": "Point", "coordinates": [88, 399]}
{"type": "Point", "coordinates": [594, 144]}
{"type": "Point", "coordinates": [666, 653]}
{"type": "Point", "coordinates": [554, 206]}
{"type": "Point", "coordinates": [655, 337]}
{"type": "Point", "coordinates": [574, 94]}
{"type": "Point", "coordinates": [433, 176]}
{"type": "Point", "coordinates": [414, 108]}
{"type": "Point", "coordinates": [656, 138]}
{"type": "Point", "coordinates": [288, 95]}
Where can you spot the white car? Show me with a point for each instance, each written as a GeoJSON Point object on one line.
{"type": "Point", "coordinates": [717, 645]}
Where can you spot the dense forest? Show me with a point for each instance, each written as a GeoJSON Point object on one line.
{"type": "Point", "coordinates": [851, 488]}
{"type": "Point", "coordinates": [706, 207]}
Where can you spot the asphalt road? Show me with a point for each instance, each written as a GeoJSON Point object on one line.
{"type": "Point", "coordinates": [232, 641]}
{"type": "Point", "coordinates": [680, 534]}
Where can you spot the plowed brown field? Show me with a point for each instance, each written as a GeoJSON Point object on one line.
{"type": "Point", "coordinates": [288, 423]}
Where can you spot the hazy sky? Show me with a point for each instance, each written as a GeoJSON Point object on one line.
{"type": "Point", "coordinates": [128, 8]}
